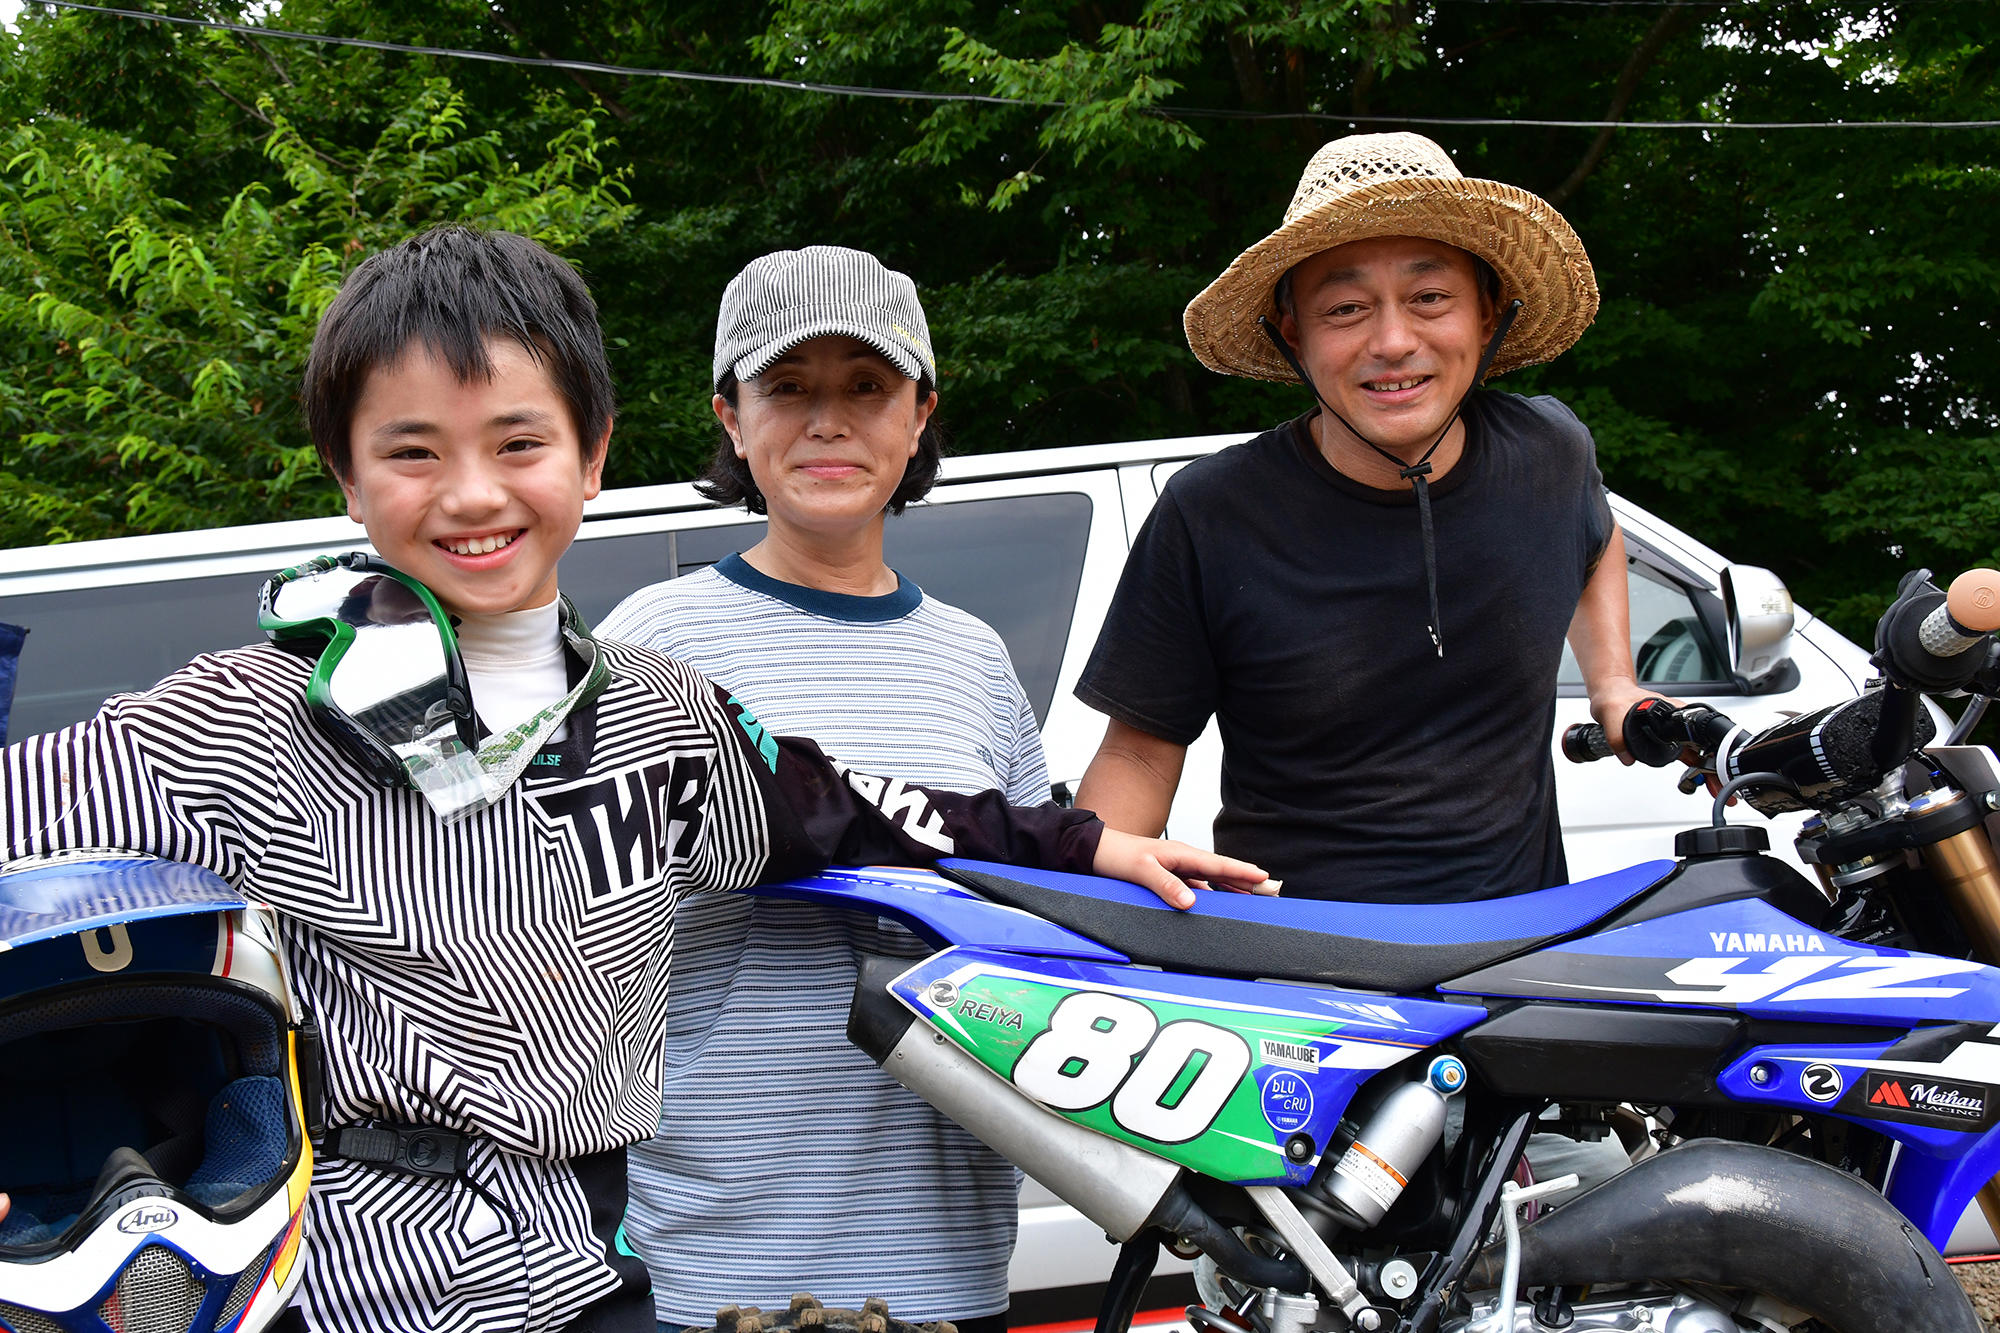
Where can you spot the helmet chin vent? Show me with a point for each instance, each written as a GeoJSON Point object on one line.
{"type": "Point", "coordinates": [157, 1293]}
{"type": "Point", "coordinates": [27, 1321]}
{"type": "Point", "coordinates": [246, 1286]}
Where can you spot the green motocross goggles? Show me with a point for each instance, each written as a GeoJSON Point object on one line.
{"type": "Point", "coordinates": [389, 687]}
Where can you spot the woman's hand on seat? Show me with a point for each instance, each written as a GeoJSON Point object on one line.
{"type": "Point", "coordinates": [1166, 867]}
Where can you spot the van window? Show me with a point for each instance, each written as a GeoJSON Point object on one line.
{"type": "Point", "coordinates": [88, 644]}
{"type": "Point", "coordinates": [1016, 562]}
{"type": "Point", "coordinates": [1672, 647]}
{"type": "Point", "coordinates": [598, 574]}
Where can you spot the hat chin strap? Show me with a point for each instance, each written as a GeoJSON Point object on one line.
{"type": "Point", "coordinates": [1417, 473]}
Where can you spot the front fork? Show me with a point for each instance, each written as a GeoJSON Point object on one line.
{"type": "Point", "coordinates": [1967, 870]}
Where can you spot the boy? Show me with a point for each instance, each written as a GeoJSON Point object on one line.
{"type": "Point", "coordinates": [495, 966]}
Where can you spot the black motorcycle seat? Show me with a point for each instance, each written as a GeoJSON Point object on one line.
{"type": "Point", "coordinates": [1375, 946]}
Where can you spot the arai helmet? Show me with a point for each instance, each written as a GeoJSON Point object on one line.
{"type": "Point", "coordinates": [154, 1140]}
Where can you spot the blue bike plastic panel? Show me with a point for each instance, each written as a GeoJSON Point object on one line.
{"type": "Point", "coordinates": [1911, 1103]}
{"type": "Point", "coordinates": [1945, 1113]}
{"type": "Point", "coordinates": [42, 902]}
{"type": "Point", "coordinates": [1934, 1192]}
{"type": "Point", "coordinates": [1749, 957]}
{"type": "Point", "coordinates": [1547, 912]}
{"type": "Point", "coordinates": [1302, 1051]}
{"type": "Point", "coordinates": [939, 910]}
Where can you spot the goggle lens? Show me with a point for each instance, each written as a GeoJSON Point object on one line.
{"type": "Point", "coordinates": [392, 681]}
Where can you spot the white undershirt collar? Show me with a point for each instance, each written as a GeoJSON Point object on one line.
{"type": "Point", "coordinates": [515, 665]}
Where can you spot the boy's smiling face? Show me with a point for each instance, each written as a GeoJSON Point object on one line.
{"type": "Point", "coordinates": [475, 488]}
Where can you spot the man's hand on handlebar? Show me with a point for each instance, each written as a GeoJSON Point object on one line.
{"type": "Point", "coordinates": [1656, 730]}
{"type": "Point", "coordinates": [1927, 642]}
{"type": "Point", "coordinates": [1609, 705]}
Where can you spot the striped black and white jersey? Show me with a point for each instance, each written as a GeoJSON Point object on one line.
{"type": "Point", "coordinates": [504, 976]}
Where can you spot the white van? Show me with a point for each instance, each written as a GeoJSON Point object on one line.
{"type": "Point", "coordinates": [1033, 544]}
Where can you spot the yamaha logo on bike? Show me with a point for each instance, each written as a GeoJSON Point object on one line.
{"type": "Point", "coordinates": [1921, 1101]}
{"type": "Point", "coordinates": [154, 1217]}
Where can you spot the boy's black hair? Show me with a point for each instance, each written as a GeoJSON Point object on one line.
{"type": "Point", "coordinates": [728, 480]}
{"type": "Point", "coordinates": [451, 288]}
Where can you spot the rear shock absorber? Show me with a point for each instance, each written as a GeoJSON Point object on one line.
{"type": "Point", "coordinates": [1394, 1140]}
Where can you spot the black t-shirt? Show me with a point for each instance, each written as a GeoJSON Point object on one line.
{"type": "Point", "coordinates": [1288, 601]}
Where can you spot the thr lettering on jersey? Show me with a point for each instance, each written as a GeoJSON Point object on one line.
{"type": "Point", "coordinates": [622, 823]}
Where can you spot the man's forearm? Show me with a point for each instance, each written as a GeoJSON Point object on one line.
{"type": "Point", "coordinates": [1131, 781]}
{"type": "Point", "coordinates": [1601, 633]}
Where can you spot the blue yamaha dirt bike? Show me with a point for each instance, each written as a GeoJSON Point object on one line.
{"type": "Point", "coordinates": [1809, 1074]}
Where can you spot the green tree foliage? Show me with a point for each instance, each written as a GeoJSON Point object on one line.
{"type": "Point", "coordinates": [152, 346]}
{"type": "Point", "coordinates": [1795, 353]}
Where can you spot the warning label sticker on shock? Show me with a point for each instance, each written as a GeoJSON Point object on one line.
{"type": "Point", "coordinates": [1382, 1181]}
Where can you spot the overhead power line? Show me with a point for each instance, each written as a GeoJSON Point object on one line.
{"type": "Point", "coordinates": [987, 99]}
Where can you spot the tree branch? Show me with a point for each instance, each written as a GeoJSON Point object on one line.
{"type": "Point", "coordinates": [253, 112]}
{"type": "Point", "coordinates": [1622, 93]}
{"type": "Point", "coordinates": [270, 60]}
{"type": "Point", "coordinates": [1249, 81]}
{"type": "Point", "coordinates": [611, 104]}
{"type": "Point", "coordinates": [1466, 48]}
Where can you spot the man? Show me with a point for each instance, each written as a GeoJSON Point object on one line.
{"type": "Point", "coordinates": [1372, 599]}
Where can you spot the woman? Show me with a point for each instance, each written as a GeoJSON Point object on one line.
{"type": "Point", "coordinates": [786, 1161]}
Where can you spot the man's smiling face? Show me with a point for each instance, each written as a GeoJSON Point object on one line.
{"type": "Point", "coordinates": [1391, 330]}
{"type": "Point", "coordinates": [473, 487]}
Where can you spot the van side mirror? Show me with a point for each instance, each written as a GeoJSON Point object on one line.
{"type": "Point", "coordinates": [1760, 615]}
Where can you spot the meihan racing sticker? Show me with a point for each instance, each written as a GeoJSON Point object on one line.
{"type": "Point", "coordinates": [1921, 1101]}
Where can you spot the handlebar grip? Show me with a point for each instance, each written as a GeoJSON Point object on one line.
{"type": "Point", "coordinates": [1586, 743]}
{"type": "Point", "coordinates": [1970, 612]}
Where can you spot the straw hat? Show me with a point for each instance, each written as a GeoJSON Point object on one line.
{"type": "Point", "coordinates": [1369, 185]}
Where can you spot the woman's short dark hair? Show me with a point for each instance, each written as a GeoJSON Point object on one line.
{"type": "Point", "coordinates": [728, 480]}
{"type": "Point", "coordinates": [451, 288]}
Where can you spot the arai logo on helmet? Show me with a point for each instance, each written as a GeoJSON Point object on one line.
{"type": "Point", "coordinates": [153, 1217]}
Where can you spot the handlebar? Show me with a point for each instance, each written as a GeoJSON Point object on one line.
{"type": "Point", "coordinates": [1813, 761]}
{"type": "Point", "coordinates": [1586, 743]}
{"type": "Point", "coordinates": [1970, 611]}
{"type": "Point", "coordinates": [1924, 640]}
{"type": "Point", "coordinates": [1923, 643]}
{"type": "Point", "coordinates": [1656, 734]}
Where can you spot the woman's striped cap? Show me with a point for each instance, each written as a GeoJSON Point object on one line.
{"type": "Point", "coordinates": [789, 297]}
